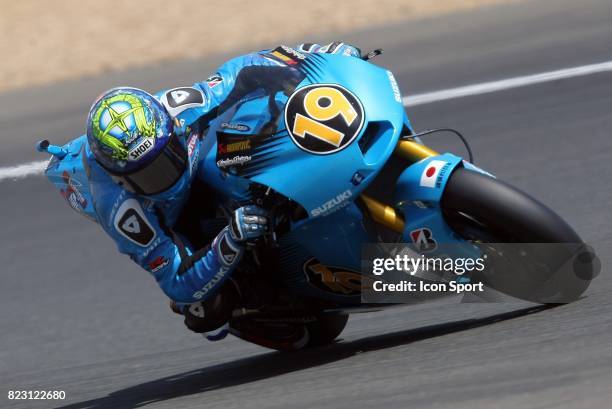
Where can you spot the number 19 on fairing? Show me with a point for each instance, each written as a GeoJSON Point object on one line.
{"type": "Point", "coordinates": [323, 104]}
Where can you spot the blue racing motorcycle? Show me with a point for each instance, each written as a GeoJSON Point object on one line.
{"type": "Point", "coordinates": [330, 153]}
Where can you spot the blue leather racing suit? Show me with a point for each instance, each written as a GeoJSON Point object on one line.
{"type": "Point", "coordinates": [145, 228]}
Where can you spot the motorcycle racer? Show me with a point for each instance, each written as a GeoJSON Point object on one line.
{"type": "Point", "coordinates": [147, 188]}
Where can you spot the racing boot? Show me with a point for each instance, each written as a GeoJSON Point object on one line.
{"type": "Point", "coordinates": [211, 314]}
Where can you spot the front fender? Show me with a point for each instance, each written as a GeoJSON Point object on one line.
{"type": "Point", "coordinates": [418, 193]}
{"type": "Point", "coordinates": [425, 180]}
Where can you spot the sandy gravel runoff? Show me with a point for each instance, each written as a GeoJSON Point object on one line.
{"type": "Point", "coordinates": [47, 41]}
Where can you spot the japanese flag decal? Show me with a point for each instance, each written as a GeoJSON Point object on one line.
{"type": "Point", "coordinates": [429, 177]}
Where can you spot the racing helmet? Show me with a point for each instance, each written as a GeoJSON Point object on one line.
{"type": "Point", "coordinates": [133, 138]}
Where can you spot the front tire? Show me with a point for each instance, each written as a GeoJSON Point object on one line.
{"type": "Point", "coordinates": [486, 210]}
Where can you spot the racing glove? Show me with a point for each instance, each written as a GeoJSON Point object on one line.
{"type": "Point", "coordinates": [335, 47]}
{"type": "Point", "coordinates": [191, 276]}
{"type": "Point", "coordinates": [248, 224]}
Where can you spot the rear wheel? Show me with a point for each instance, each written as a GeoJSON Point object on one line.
{"type": "Point", "coordinates": [486, 210]}
{"type": "Point", "coordinates": [287, 335]}
{"type": "Point", "coordinates": [326, 329]}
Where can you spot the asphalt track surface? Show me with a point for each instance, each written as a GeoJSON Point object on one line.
{"type": "Point", "coordinates": [75, 316]}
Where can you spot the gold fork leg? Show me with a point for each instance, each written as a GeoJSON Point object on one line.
{"type": "Point", "coordinates": [413, 151]}
{"type": "Point", "coordinates": [385, 214]}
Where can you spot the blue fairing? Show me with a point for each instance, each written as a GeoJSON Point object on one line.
{"type": "Point", "coordinates": [70, 176]}
{"type": "Point", "coordinates": [245, 132]}
{"type": "Point", "coordinates": [325, 185]}
{"type": "Point", "coordinates": [310, 179]}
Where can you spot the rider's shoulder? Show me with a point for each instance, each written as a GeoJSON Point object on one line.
{"type": "Point", "coordinates": [179, 101]}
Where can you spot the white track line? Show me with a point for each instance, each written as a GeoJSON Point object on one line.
{"type": "Point", "coordinates": [494, 86]}
{"type": "Point", "coordinates": [33, 168]}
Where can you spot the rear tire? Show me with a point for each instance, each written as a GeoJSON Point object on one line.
{"type": "Point", "coordinates": [326, 329]}
{"type": "Point", "coordinates": [486, 210]}
{"type": "Point", "coordinates": [288, 336]}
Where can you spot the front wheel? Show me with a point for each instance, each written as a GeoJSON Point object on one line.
{"type": "Point", "coordinates": [536, 245]}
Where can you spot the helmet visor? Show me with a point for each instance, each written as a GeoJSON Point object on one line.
{"type": "Point", "coordinates": [161, 174]}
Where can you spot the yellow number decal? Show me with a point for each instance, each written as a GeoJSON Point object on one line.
{"type": "Point", "coordinates": [345, 282]}
{"type": "Point", "coordinates": [323, 118]}
{"type": "Point", "coordinates": [305, 125]}
{"type": "Point", "coordinates": [337, 104]}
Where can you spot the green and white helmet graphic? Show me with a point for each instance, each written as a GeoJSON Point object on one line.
{"type": "Point", "coordinates": [120, 122]}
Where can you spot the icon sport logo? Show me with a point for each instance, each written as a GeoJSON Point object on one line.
{"type": "Point", "coordinates": [323, 118]}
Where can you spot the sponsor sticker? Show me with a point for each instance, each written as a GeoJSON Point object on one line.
{"type": "Point", "coordinates": [214, 80]}
{"type": "Point", "coordinates": [223, 270]}
{"type": "Point", "coordinates": [433, 173]}
{"type": "Point", "coordinates": [141, 149]}
{"type": "Point", "coordinates": [235, 127]}
{"type": "Point", "coordinates": [396, 92]}
{"type": "Point", "coordinates": [292, 52]}
{"type": "Point", "coordinates": [287, 55]}
{"type": "Point", "coordinates": [235, 149]}
{"type": "Point", "coordinates": [338, 280]}
{"type": "Point", "coordinates": [157, 264]}
{"type": "Point", "coordinates": [232, 147]}
{"type": "Point", "coordinates": [191, 144]}
{"type": "Point", "coordinates": [72, 194]}
{"type": "Point", "coordinates": [423, 240]}
{"type": "Point", "coordinates": [332, 205]}
{"type": "Point", "coordinates": [357, 179]}
{"type": "Point", "coordinates": [192, 152]}
{"type": "Point", "coordinates": [236, 160]}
